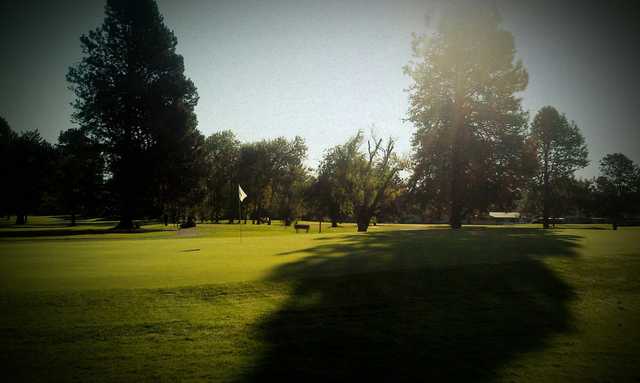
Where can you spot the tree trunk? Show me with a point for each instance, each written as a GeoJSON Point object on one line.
{"type": "Point", "coordinates": [363, 220]}
{"type": "Point", "coordinates": [455, 219]}
{"type": "Point", "coordinates": [455, 208]}
{"type": "Point", "coordinates": [546, 192]}
{"type": "Point", "coordinates": [126, 217]}
{"type": "Point", "coordinates": [21, 219]}
{"type": "Point", "coordinates": [363, 225]}
{"type": "Point", "coordinates": [126, 213]}
{"type": "Point", "coordinates": [73, 219]}
{"type": "Point", "coordinates": [456, 172]}
{"type": "Point", "coordinates": [545, 208]}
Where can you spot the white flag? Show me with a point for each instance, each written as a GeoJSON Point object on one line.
{"type": "Point", "coordinates": [241, 194]}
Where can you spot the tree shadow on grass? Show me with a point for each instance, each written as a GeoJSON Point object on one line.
{"type": "Point", "coordinates": [416, 306]}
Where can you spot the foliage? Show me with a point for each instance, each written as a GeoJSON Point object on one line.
{"type": "Point", "coordinates": [222, 151]}
{"type": "Point", "coordinates": [28, 170]}
{"type": "Point", "coordinates": [291, 177]}
{"type": "Point", "coordinates": [618, 187]}
{"type": "Point", "coordinates": [80, 173]}
{"type": "Point", "coordinates": [560, 150]}
{"type": "Point", "coordinates": [30, 173]}
{"type": "Point", "coordinates": [133, 97]}
{"type": "Point", "coordinates": [469, 149]}
{"type": "Point", "coordinates": [7, 140]}
{"type": "Point", "coordinates": [275, 177]}
{"type": "Point", "coordinates": [328, 195]}
{"type": "Point", "coordinates": [361, 180]}
{"type": "Point", "coordinates": [179, 166]}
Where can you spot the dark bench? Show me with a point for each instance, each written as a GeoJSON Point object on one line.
{"type": "Point", "coordinates": [299, 226]}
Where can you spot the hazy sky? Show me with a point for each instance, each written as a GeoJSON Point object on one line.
{"type": "Point", "coordinates": [323, 69]}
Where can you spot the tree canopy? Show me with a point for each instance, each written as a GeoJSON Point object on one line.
{"type": "Point", "coordinates": [133, 97]}
{"type": "Point", "coordinates": [80, 173]}
{"type": "Point", "coordinates": [274, 175]}
{"type": "Point", "coordinates": [560, 151]}
{"type": "Point", "coordinates": [359, 181]}
{"type": "Point", "coordinates": [469, 149]}
{"type": "Point", "coordinates": [618, 187]}
{"type": "Point", "coordinates": [222, 151]}
{"type": "Point", "coordinates": [30, 173]}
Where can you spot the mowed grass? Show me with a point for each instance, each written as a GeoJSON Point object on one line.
{"type": "Point", "coordinates": [401, 303]}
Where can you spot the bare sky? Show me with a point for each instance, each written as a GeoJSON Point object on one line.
{"type": "Point", "coordinates": [323, 69]}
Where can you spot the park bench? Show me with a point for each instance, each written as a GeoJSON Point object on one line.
{"type": "Point", "coordinates": [300, 226]}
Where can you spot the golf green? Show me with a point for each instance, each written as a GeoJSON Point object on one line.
{"type": "Point", "coordinates": [401, 303]}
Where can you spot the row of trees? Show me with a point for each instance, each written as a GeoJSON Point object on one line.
{"type": "Point", "coordinates": [354, 182]}
{"type": "Point", "coordinates": [74, 177]}
{"type": "Point", "coordinates": [137, 151]}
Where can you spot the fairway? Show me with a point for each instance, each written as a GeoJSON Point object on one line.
{"type": "Point", "coordinates": [399, 303]}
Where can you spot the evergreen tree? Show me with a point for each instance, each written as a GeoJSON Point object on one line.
{"type": "Point", "coordinates": [132, 96]}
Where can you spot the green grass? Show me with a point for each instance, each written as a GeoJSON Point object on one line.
{"type": "Point", "coordinates": [57, 227]}
{"type": "Point", "coordinates": [402, 302]}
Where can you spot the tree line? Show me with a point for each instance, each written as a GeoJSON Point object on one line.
{"type": "Point", "coordinates": [137, 152]}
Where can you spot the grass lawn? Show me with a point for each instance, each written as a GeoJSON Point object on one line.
{"type": "Point", "coordinates": [401, 303]}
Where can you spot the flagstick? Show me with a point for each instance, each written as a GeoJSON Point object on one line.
{"type": "Point", "coordinates": [241, 196]}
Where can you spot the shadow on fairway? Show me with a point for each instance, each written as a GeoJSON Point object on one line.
{"type": "Point", "coordinates": [456, 306]}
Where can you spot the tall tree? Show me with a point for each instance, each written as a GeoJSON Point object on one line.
{"type": "Point", "coordinates": [618, 187]}
{"type": "Point", "coordinates": [560, 150]}
{"type": "Point", "coordinates": [469, 149]}
{"type": "Point", "coordinates": [130, 91]}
